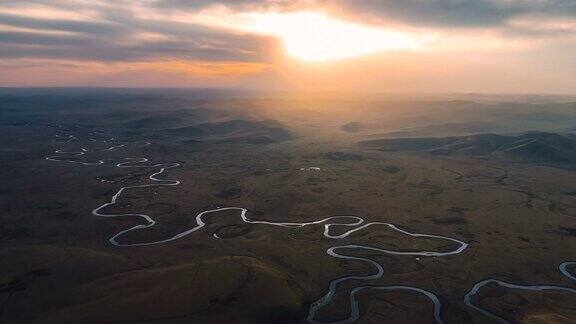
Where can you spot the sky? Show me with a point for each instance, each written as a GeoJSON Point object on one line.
{"type": "Point", "coordinates": [448, 46]}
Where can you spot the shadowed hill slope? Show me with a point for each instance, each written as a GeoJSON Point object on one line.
{"type": "Point", "coordinates": [533, 147]}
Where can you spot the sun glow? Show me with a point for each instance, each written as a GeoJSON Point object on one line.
{"type": "Point", "coordinates": [317, 37]}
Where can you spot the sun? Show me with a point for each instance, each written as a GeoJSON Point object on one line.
{"type": "Point", "coordinates": [317, 37]}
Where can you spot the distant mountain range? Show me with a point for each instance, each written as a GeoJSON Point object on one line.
{"type": "Point", "coordinates": [234, 131]}
{"type": "Point", "coordinates": [532, 147]}
{"type": "Point", "coordinates": [352, 127]}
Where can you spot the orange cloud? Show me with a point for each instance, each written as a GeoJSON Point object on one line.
{"type": "Point", "coordinates": [27, 72]}
{"type": "Point", "coordinates": [200, 68]}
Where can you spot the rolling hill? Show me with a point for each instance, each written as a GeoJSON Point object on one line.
{"type": "Point", "coordinates": [234, 131]}
{"type": "Point", "coordinates": [532, 147]}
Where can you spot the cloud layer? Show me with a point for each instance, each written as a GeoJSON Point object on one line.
{"type": "Point", "coordinates": [114, 31]}
{"type": "Point", "coordinates": [145, 33]}
{"type": "Point", "coordinates": [134, 30]}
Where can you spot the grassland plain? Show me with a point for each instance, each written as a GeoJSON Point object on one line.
{"type": "Point", "coordinates": [518, 219]}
